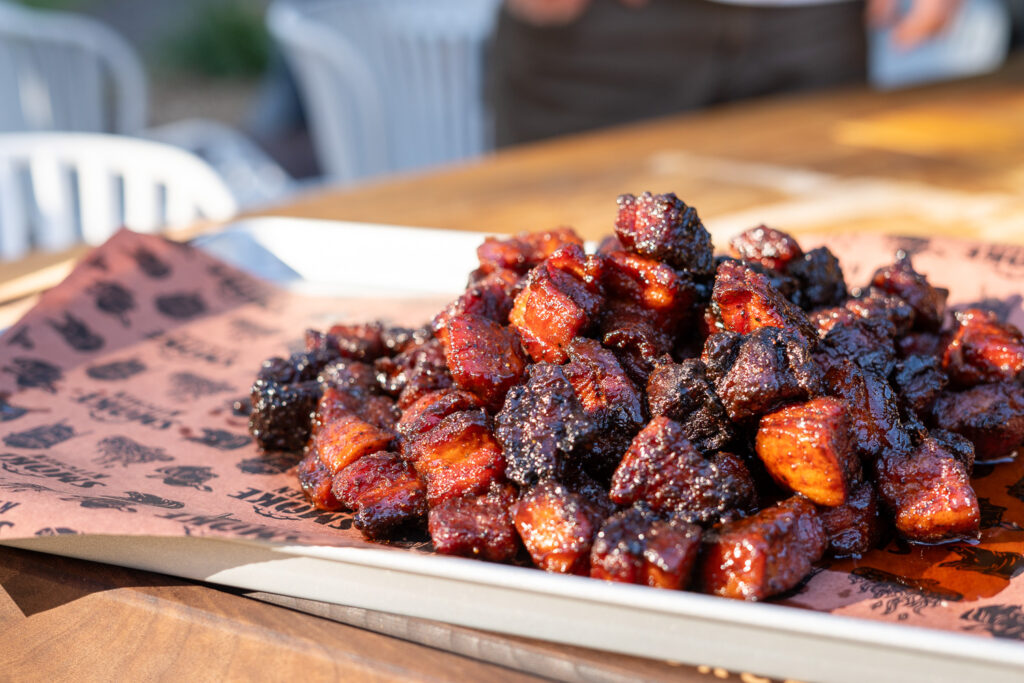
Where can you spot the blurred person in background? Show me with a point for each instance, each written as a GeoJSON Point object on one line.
{"type": "Point", "coordinates": [564, 66]}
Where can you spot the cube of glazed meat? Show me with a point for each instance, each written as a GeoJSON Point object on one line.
{"type": "Point", "coordinates": [484, 358]}
{"type": "Point", "coordinates": [523, 251]}
{"type": "Point", "coordinates": [770, 247]}
{"type": "Point", "coordinates": [918, 381]}
{"type": "Point", "coordinates": [354, 341]}
{"type": "Point", "coordinates": [745, 301]}
{"type": "Point", "coordinates": [663, 470]}
{"type": "Point", "coordinates": [351, 387]}
{"type": "Point", "coordinates": [758, 372]}
{"type": "Point", "coordinates": [684, 393]}
{"type": "Point", "coordinates": [663, 228]}
{"type": "Point", "coordinates": [806, 448]}
{"type": "Point", "coordinates": [991, 416]}
{"type": "Point", "coordinates": [854, 527]}
{"type": "Point", "coordinates": [476, 526]}
{"type": "Point", "coordinates": [542, 426]}
{"type": "Point", "coordinates": [634, 337]}
{"type": "Point", "coordinates": [414, 372]}
{"type": "Point", "coordinates": [821, 278]}
{"type": "Point", "coordinates": [397, 339]}
{"type": "Point", "coordinates": [557, 526]}
{"type": "Point", "coordinates": [921, 344]}
{"type": "Point", "coordinates": [637, 546]}
{"type": "Point", "coordinates": [384, 491]}
{"type": "Point", "coordinates": [428, 411]}
{"type": "Point", "coordinates": [928, 491]}
{"type": "Point", "coordinates": [561, 300]}
{"type": "Point", "coordinates": [983, 349]}
{"type": "Point", "coordinates": [491, 297]}
{"type": "Point", "coordinates": [875, 303]}
{"type": "Point", "coordinates": [283, 398]}
{"type": "Point", "coordinates": [650, 285]}
{"type": "Point", "coordinates": [929, 303]}
{"type": "Point", "coordinates": [764, 555]}
{"type": "Point", "coordinates": [316, 482]}
{"type": "Point", "coordinates": [868, 342]}
{"type": "Point", "coordinates": [457, 457]}
{"type": "Point", "coordinates": [874, 410]}
{"type": "Point", "coordinates": [345, 438]}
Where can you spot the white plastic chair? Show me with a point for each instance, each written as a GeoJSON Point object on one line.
{"type": "Point", "coordinates": [59, 189]}
{"type": "Point", "coordinates": [389, 85]}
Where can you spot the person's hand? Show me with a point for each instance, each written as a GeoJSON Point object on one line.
{"type": "Point", "coordinates": [924, 19]}
{"type": "Point", "coordinates": [555, 12]}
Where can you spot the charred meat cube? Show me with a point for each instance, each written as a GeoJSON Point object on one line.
{"type": "Point", "coordinates": [921, 344]}
{"type": "Point", "coordinates": [484, 358]}
{"type": "Point", "coordinates": [826, 319]}
{"type": "Point", "coordinates": [684, 393]}
{"type": "Point", "coordinates": [345, 438]}
{"type": "Point", "coordinates": [476, 526]}
{"type": "Point", "coordinates": [490, 297]}
{"type": "Point", "coordinates": [384, 491]}
{"type": "Point", "coordinates": [918, 381]}
{"type": "Point", "coordinates": [557, 526]}
{"type": "Point", "coordinates": [854, 527]}
{"type": "Point", "coordinates": [745, 301]}
{"type": "Point", "coordinates": [928, 491]}
{"type": "Point", "coordinates": [428, 411]}
{"type": "Point", "coordinates": [991, 416]}
{"type": "Point", "coordinates": [561, 300]}
{"type": "Point", "coordinates": [770, 247]}
{"type": "Point", "coordinates": [875, 303]}
{"type": "Point", "coordinates": [635, 338]}
{"type": "Point", "coordinates": [651, 285]}
{"type": "Point", "coordinates": [542, 425]}
{"type": "Point", "coordinates": [866, 342]}
{"type": "Point", "coordinates": [983, 349]}
{"type": "Point", "coordinates": [414, 372]}
{"type": "Point", "coordinates": [872, 404]}
{"type": "Point", "coordinates": [771, 366]}
{"type": "Point", "coordinates": [663, 470]}
{"type": "Point", "coordinates": [929, 303]}
{"type": "Point", "coordinates": [457, 457]}
{"type": "Point", "coordinates": [351, 386]}
{"type": "Point", "coordinates": [398, 339]}
{"type": "Point", "coordinates": [281, 413]}
{"type": "Point", "coordinates": [806, 448]}
{"type": "Point", "coordinates": [663, 228]}
{"type": "Point", "coordinates": [821, 278]}
{"type": "Point", "coordinates": [637, 546]}
{"type": "Point", "coordinates": [523, 251]}
{"type": "Point", "coordinates": [316, 481]}
{"type": "Point", "coordinates": [764, 555]}
{"type": "Point", "coordinates": [355, 341]}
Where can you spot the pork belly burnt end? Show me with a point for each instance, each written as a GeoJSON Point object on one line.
{"type": "Point", "coordinates": [283, 398]}
{"type": "Point", "coordinates": [384, 491]}
{"type": "Point", "coordinates": [770, 247]}
{"type": "Point", "coordinates": [929, 303]}
{"type": "Point", "coordinates": [745, 301]}
{"type": "Point", "coordinates": [542, 425]}
{"type": "Point", "coordinates": [663, 228]}
{"type": "Point", "coordinates": [758, 372]}
{"type": "Point", "coordinates": [991, 416]}
{"type": "Point", "coordinates": [983, 349]}
{"type": "Point", "coordinates": [523, 251]}
{"type": "Point", "coordinates": [353, 341]}
{"type": "Point", "coordinates": [683, 393]}
{"type": "Point", "coordinates": [664, 471]}
{"type": "Point", "coordinates": [351, 387]}
{"type": "Point", "coordinates": [490, 297]}
{"type": "Point", "coordinates": [316, 482]}
{"type": "Point", "coordinates": [661, 292]}
{"type": "Point", "coordinates": [874, 411]}
{"type": "Point", "coordinates": [557, 526]}
{"type": "Point", "coordinates": [476, 526]}
{"type": "Point", "coordinates": [856, 526]}
{"type": "Point", "coordinates": [806, 448]}
{"type": "Point", "coordinates": [484, 357]}
{"type": "Point", "coordinates": [637, 546]}
{"type": "Point", "coordinates": [635, 339]}
{"type": "Point", "coordinates": [867, 342]}
{"type": "Point", "coordinates": [820, 277]}
{"type": "Point", "coordinates": [764, 555]}
{"type": "Point", "coordinates": [414, 372]}
{"type": "Point", "coordinates": [918, 381]}
{"type": "Point", "coordinates": [875, 303]}
{"type": "Point", "coordinates": [561, 300]}
{"type": "Point", "coordinates": [928, 491]}
{"type": "Point", "coordinates": [428, 411]}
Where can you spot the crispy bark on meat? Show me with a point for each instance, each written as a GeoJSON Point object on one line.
{"type": "Point", "coordinates": [428, 411]}
{"type": "Point", "coordinates": [476, 526]}
{"type": "Point", "coordinates": [384, 491]}
{"type": "Point", "coordinates": [764, 555]}
{"type": "Point", "coordinates": [983, 349]}
{"type": "Point", "coordinates": [457, 457]}
{"type": "Point", "coordinates": [354, 341]}
{"type": "Point", "coordinates": [484, 357]}
{"type": "Point", "coordinates": [820, 277]}
{"type": "Point", "coordinates": [758, 372]}
{"type": "Point", "coordinates": [397, 339]}
{"type": "Point", "coordinates": [664, 471]}
{"type": "Point", "coordinates": [491, 297]}
{"type": "Point", "coordinates": [918, 381]}
{"type": "Point", "coordinates": [921, 344]}
{"type": "Point", "coordinates": [684, 393]}
{"type": "Point", "coordinates": [351, 386]}
{"type": "Point", "coordinates": [542, 425]}
{"type": "Point", "coordinates": [562, 298]}
{"type": "Point", "coordinates": [929, 303]}
{"type": "Point", "coordinates": [868, 342]}
{"type": "Point", "coordinates": [651, 285]}
{"type": "Point", "coordinates": [557, 526]}
{"type": "Point", "coordinates": [856, 526]}
{"type": "Point", "coordinates": [662, 227]}
{"type": "Point", "coordinates": [825, 319]}
{"type": "Point", "coordinates": [522, 252]}
{"type": "Point", "coordinates": [806, 448]}
{"type": "Point", "coordinates": [637, 546]}
{"type": "Point", "coordinates": [316, 482]}
{"type": "Point", "coordinates": [745, 301]}
{"type": "Point", "coordinates": [770, 247]}
{"type": "Point", "coordinates": [928, 491]}
{"type": "Point", "coordinates": [418, 370]}
{"type": "Point", "coordinates": [991, 416]}
{"type": "Point", "coordinates": [874, 411]}
{"type": "Point", "coordinates": [875, 303]}
{"type": "Point", "coordinates": [634, 337]}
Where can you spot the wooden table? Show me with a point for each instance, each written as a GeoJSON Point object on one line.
{"type": "Point", "coordinates": [942, 160]}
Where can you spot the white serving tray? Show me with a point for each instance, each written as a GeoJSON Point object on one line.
{"type": "Point", "coordinates": [767, 639]}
